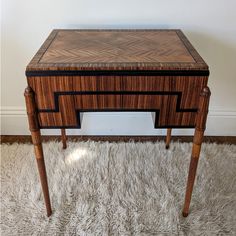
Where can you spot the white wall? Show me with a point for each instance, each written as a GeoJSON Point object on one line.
{"type": "Point", "coordinates": [210, 25]}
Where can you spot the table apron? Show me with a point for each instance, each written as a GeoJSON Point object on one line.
{"type": "Point", "coordinates": [61, 99]}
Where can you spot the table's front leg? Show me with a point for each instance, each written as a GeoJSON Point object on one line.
{"type": "Point", "coordinates": [197, 142]}
{"type": "Point", "coordinates": [36, 139]}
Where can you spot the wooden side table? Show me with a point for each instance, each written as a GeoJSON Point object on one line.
{"type": "Point", "coordinates": [155, 71]}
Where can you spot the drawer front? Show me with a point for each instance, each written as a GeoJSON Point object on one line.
{"type": "Point", "coordinates": [61, 99]}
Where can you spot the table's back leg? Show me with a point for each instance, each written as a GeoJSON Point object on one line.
{"type": "Point", "coordinates": [63, 138]}
{"type": "Point", "coordinates": [197, 141]}
{"type": "Point", "coordinates": [168, 138]}
{"type": "Point", "coordinates": [36, 139]}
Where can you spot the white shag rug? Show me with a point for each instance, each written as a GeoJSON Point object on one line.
{"type": "Point", "coordinates": [118, 189]}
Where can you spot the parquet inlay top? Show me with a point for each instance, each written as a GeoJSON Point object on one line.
{"type": "Point", "coordinates": [121, 47]}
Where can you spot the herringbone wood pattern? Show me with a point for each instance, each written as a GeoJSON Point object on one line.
{"type": "Point", "coordinates": [116, 50]}
{"type": "Point", "coordinates": [123, 46]}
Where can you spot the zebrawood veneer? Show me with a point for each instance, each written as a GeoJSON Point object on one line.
{"type": "Point", "coordinates": [79, 71]}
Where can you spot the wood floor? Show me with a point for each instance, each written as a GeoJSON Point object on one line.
{"type": "Point", "coordinates": [209, 139]}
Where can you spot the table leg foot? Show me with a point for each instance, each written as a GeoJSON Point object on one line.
{"type": "Point", "coordinates": [185, 214]}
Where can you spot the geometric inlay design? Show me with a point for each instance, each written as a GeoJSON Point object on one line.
{"type": "Point", "coordinates": [125, 98]}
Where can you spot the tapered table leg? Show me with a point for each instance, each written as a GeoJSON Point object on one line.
{"type": "Point", "coordinates": [63, 138]}
{"type": "Point", "coordinates": [197, 141]}
{"type": "Point", "coordinates": [36, 139]}
{"type": "Point", "coordinates": [168, 138]}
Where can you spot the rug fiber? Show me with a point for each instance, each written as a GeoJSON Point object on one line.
{"type": "Point", "coordinates": [101, 188]}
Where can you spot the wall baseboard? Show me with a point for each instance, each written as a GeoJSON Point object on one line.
{"type": "Point", "coordinates": [220, 123]}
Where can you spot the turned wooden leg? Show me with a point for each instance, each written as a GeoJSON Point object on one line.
{"type": "Point", "coordinates": [36, 139]}
{"type": "Point", "coordinates": [168, 138]}
{"type": "Point", "coordinates": [63, 138]}
{"type": "Point", "coordinates": [197, 142]}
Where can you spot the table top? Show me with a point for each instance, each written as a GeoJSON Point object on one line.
{"type": "Point", "coordinates": [75, 50]}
